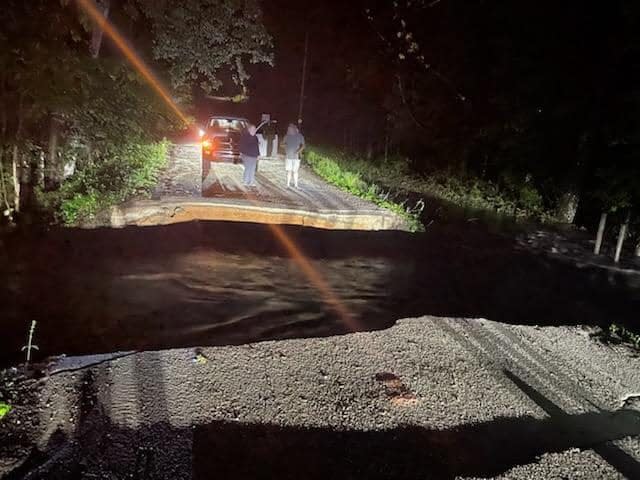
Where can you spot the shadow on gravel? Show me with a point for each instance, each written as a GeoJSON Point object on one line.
{"type": "Point", "coordinates": [253, 451]}
{"type": "Point", "coordinates": [600, 428]}
{"type": "Point", "coordinates": [217, 283]}
{"type": "Point", "coordinates": [241, 451]}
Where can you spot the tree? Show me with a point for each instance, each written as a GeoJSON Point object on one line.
{"type": "Point", "coordinates": [617, 190]}
{"type": "Point", "coordinates": [547, 96]}
{"type": "Point", "coordinates": [97, 32]}
{"type": "Point", "coordinates": [205, 41]}
{"type": "Point", "coordinates": [63, 97]}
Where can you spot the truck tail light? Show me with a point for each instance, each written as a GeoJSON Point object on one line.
{"type": "Point", "coordinates": [210, 144]}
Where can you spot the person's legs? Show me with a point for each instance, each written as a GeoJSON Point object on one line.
{"type": "Point", "coordinates": [289, 167]}
{"type": "Point", "coordinates": [245, 175]}
{"type": "Point", "coordinates": [296, 168]}
{"type": "Point", "coordinates": [253, 163]}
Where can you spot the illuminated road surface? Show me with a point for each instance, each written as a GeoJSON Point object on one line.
{"type": "Point", "coordinates": [183, 195]}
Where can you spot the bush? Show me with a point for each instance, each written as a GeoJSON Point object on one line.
{"type": "Point", "coordinates": [511, 196]}
{"type": "Point", "coordinates": [530, 198]}
{"type": "Point", "coordinates": [80, 207]}
{"type": "Point", "coordinates": [120, 173]}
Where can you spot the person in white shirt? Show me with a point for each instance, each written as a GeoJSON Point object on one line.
{"type": "Point", "coordinates": [294, 145]}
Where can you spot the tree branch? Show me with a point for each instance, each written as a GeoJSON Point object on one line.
{"type": "Point", "coordinates": [409, 37]}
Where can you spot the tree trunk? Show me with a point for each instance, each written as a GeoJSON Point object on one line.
{"type": "Point", "coordinates": [14, 166]}
{"type": "Point", "coordinates": [3, 186]}
{"type": "Point", "coordinates": [386, 146]}
{"type": "Point", "coordinates": [40, 167]}
{"type": "Point", "coordinates": [600, 235]}
{"type": "Point", "coordinates": [15, 158]}
{"type": "Point", "coordinates": [621, 237]}
{"type": "Point", "coordinates": [567, 207]}
{"type": "Point", "coordinates": [98, 33]}
{"type": "Point", "coordinates": [54, 168]}
{"type": "Point", "coordinates": [15, 176]}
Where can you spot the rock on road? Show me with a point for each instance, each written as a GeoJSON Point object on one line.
{"type": "Point", "coordinates": [427, 398]}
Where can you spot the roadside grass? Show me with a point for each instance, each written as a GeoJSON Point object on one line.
{"type": "Point", "coordinates": [517, 200]}
{"type": "Point", "coordinates": [121, 174]}
{"type": "Point", "coordinates": [5, 408]}
{"type": "Point", "coordinates": [346, 173]}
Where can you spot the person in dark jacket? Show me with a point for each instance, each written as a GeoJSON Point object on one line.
{"type": "Point", "coordinates": [249, 151]}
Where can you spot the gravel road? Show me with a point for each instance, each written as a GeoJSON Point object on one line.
{"type": "Point", "coordinates": [427, 398]}
{"type": "Point", "coordinates": [182, 195]}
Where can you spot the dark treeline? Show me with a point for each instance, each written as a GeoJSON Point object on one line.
{"type": "Point", "coordinates": [542, 95]}
{"type": "Point", "coordinates": [540, 99]}
{"type": "Point", "coordinates": [80, 128]}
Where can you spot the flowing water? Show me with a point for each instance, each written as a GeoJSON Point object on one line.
{"type": "Point", "coordinates": [105, 290]}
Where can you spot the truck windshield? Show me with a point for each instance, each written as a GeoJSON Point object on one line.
{"type": "Point", "coordinates": [227, 124]}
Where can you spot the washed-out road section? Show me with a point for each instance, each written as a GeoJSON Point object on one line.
{"type": "Point", "coordinates": [184, 195]}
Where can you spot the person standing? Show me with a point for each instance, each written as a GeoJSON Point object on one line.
{"type": "Point", "coordinates": [294, 145]}
{"type": "Point", "coordinates": [269, 133]}
{"type": "Point", "coordinates": [249, 151]}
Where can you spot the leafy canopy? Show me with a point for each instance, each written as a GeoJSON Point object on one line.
{"type": "Point", "coordinates": [205, 40]}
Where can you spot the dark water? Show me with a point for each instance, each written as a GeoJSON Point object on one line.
{"type": "Point", "coordinates": [223, 283]}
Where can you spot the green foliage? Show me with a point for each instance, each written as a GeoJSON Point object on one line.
{"type": "Point", "coordinates": [204, 39]}
{"type": "Point", "coordinates": [81, 206]}
{"type": "Point", "coordinates": [4, 409]}
{"type": "Point", "coordinates": [61, 105]}
{"type": "Point", "coordinates": [122, 173]}
{"type": "Point", "coordinates": [618, 185]}
{"type": "Point", "coordinates": [490, 89]}
{"type": "Point", "coordinates": [344, 172]}
{"type": "Point", "coordinates": [530, 199]}
{"type": "Point", "coordinates": [520, 200]}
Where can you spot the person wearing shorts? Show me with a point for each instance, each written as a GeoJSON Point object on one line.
{"type": "Point", "coordinates": [294, 145]}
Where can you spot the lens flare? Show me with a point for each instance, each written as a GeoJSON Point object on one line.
{"type": "Point", "coordinates": [312, 274]}
{"type": "Point", "coordinates": [316, 279]}
{"type": "Point", "coordinates": [90, 8]}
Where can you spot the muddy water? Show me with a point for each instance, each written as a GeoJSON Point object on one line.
{"type": "Point", "coordinates": [120, 290]}
{"type": "Point", "coordinates": [221, 283]}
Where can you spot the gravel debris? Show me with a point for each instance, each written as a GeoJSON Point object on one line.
{"type": "Point", "coordinates": [427, 398]}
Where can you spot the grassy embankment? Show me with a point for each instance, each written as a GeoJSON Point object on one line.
{"type": "Point", "coordinates": [129, 171]}
{"type": "Point", "coordinates": [364, 179]}
{"type": "Point", "coordinates": [355, 176]}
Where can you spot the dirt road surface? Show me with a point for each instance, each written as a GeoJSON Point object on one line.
{"type": "Point", "coordinates": [427, 398]}
{"type": "Point", "coordinates": [184, 195]}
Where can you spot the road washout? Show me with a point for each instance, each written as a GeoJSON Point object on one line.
{"type": "Point", "coordinates": [152, 288]}
{"type": "Point", "coordinates": [429, 398]}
